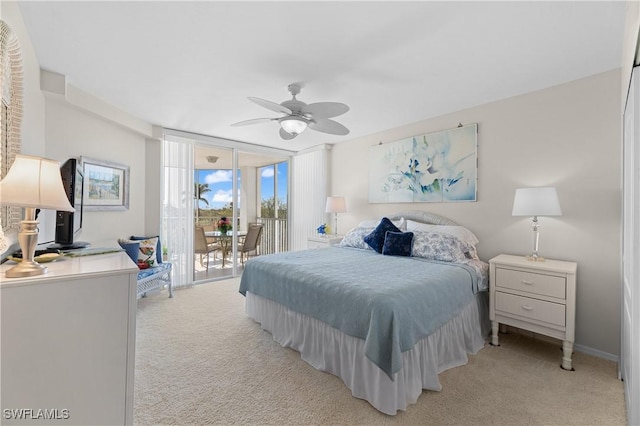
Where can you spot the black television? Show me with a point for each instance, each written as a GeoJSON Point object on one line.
{"type": "Point", "coordinates": [69, 224]}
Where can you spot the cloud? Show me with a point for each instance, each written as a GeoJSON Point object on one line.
{"type": "Point", "coordinates": [218, 176]}
{"type": "Point", "coordinates": [222, 196]}
{"type": "Point", "coordinates": [267, 173]}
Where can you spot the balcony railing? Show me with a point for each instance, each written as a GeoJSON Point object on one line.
{"type": "Point", "coordinates": [274, 235]}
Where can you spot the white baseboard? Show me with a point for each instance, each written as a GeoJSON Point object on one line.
{"type": "Point", "coordinates": [576, 347]}
{"type": "Point", "coordinates": [596, 352]}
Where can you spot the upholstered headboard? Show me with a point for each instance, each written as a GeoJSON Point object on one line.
{"type": "Point", "coordinates": [423, 217]}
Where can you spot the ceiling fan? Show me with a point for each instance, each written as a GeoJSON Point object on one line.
{"type": "Point", "coordinates": [298, 115]}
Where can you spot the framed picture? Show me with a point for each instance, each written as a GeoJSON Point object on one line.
{"type": "Point", "coordinates": [440, 167]}
{"type": "Point", "coordinates": [106, 185]}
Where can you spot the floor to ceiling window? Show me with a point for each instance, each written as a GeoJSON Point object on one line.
{"type": "Point", "coordinates": [273, 184]}
{"type": "Point", "coordinates": [213, 204]}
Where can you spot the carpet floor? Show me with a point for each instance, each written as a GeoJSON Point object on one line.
{"type": "Point", "coordinates": [200, 360]}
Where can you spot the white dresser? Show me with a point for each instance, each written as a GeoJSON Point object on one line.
{"type": "Point", "coordinates": [535, 296]}
{"type": "Point", "coordinates": [68, 342]}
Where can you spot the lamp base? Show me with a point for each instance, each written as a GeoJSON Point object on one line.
{"type": "Point", "coordinates": [536, 238]}
{"type": "Point", "coordinates": [27, 238]}
{"type": "Point", "coordinates": [26, 269]}
{"type": "Point", "coordinates": [535, 258]}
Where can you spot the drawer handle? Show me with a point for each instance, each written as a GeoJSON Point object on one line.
{"type": "Point", "coordinates": [527, 282]}
{"type": "Point", "coordinates": [527, 308]}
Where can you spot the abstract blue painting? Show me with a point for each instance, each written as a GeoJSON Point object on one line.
{"type": "Point", "coordinates": [437, 167]}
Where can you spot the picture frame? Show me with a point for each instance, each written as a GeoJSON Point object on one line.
{"type": "Point", "coordinates": [106, 185]}
{"type": "Point", "coordinates": [439, 167]}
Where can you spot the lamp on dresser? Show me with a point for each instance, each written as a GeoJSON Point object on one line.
{"type": "Point", "coordinates": [536, 202]}
{"type": "Point", "coordinates": [32, 183]}
{"type": "Point", "coordinates": [336, 205]}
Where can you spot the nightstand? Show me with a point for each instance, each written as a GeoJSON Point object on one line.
{"type": "Point", "coordinates": [319, 241]}
{"type": "Point", "coordinates": [534, 296]}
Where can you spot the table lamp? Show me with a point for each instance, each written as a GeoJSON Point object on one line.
{"type": "Point", "coordinates": [32, 183]}
{"type": "Point", "coordinates": [536, 202]}
{"type": "Point", "coordinates": [335, 205]}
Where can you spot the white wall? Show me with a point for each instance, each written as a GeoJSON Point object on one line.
{"type": "Point", "coordinates": [54, 129]}
{"type": "Point", "coordinates": [566, 136]}
{"type": "Point", "coordinates": [72, 132]}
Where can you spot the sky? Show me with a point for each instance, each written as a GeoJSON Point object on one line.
{"type": "Point", "coordinates": [220, 183]}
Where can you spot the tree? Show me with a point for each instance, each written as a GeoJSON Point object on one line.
{"type": "Point", "coordinates": [268, 208]}
{"type": "Point", "coordinates": [199, 189]}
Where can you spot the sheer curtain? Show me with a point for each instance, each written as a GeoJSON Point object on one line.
{"type": "Point", "coordinates": [177, 205]}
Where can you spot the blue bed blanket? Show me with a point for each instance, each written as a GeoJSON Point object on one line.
{"type": "Point", "coordinates": [390, 302]}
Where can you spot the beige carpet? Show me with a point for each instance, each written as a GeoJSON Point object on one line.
{"type": "Point", "coordinates": [200, 360]}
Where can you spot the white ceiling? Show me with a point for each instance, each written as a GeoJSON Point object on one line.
{"type": "Point", "coordinates": [191, 65]}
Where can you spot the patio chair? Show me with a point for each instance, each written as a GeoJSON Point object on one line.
{"type": "Point", "coordinates": [251, 241]}
{"type": "Point", "coordinates": [201, 245]}
{"type": "Point", "coordinates": [209, 228]}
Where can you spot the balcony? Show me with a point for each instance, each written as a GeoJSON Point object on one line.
{"type": "Point", "coordinates": [274, 239]}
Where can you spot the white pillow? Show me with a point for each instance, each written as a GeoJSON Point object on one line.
{"type": "Point", "coordinates": [457, 231]}
{"type": "Point", "coordinates": [401, 223]}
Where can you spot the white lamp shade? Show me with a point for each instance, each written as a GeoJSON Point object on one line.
{"type": "Point", "coordinates": [293, 125]}
{"type": "Point", "coordinates": [34, 182]}
{"type": "Point", "coordinates": [536, 202]}
{"type": "Point", "coordinates": [336, 205]}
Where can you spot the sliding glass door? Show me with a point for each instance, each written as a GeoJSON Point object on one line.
{"type": "Point", "coordinates": [224, 202]}
{"type": "Point", "coordinates": [215, 212]}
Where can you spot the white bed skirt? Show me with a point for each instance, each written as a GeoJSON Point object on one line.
{"type": "Point", "coordinates": [329, 349]}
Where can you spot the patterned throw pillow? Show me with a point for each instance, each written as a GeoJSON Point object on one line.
{"type": "Point", "coordinates": [355, 238]}
{"type": "Point", "coordinates": [376, 238]}
{"type": "Point", "coordinates": [158, 247]}
{"type": "Point", "coordinates": [457, 231]}
{"type": "Point", "coordinates": [146, 250]}
{"type": "Point", "coordinates": [437, 246]}
{"type": "Point", "coordinates": [397, 243]}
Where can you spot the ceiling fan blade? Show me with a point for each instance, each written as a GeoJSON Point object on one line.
{"type": "Point", "coordinates": [325, 109]}
{"type": "Point", "coordinates": [252, 121]}
{"type": "Point", "coordinates": [329, 126]}
{"type": "Point", "coordinates": [286, 135]}
{"type": "Point", "coordinates": [271, 105]}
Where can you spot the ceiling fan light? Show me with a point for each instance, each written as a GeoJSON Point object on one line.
{"type": "Point", "coordinates": [293, 125]}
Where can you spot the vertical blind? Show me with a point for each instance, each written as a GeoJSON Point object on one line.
{"type": "Point", "coordinates": [308, 195]}
{"type": "Point", "coordinates": [177, 215]}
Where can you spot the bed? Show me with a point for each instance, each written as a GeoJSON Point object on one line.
{"type": "Point", "coordinates": [385, 323]}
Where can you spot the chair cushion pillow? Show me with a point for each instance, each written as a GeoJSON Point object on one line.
{"type": "Point", "coordinates": [144, 273]}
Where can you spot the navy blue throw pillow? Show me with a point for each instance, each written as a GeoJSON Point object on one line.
{"type": "Point", "coordinates": [131, 249]}
{"type": "Point", "coordinates": [397, 243]}
{"type": "Point", "coordinates": [376, 238]}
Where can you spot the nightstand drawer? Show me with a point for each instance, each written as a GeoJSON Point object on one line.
{"type": "Point", "coordinates": [546, 285]}
{"type": "Point", "coordinates": [553, 313]}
